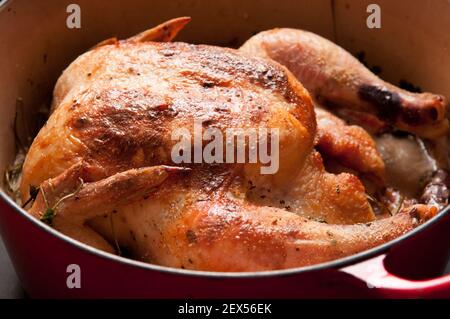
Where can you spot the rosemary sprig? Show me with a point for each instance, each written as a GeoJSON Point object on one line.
{"type": "Point", "coordinates": [34, 191]}
{"type": "Point", "coordinates": [50, 212]}
{"type": "Point", "coordinates": [379, 203]}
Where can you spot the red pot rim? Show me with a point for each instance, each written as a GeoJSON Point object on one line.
{"type": "Point", "coordinates": [334, 264]}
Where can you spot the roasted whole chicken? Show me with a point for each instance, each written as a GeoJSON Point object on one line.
{"type": "Point", "coordinates": [105, 176]}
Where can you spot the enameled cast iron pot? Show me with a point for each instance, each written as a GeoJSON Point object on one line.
{"type": "Point", "coordinates": [36, 45]}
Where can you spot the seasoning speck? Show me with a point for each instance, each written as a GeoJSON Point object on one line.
{"type": "Point", "coordinates": [191, 236]}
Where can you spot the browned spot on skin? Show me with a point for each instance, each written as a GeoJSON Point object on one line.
{"type": "Point", "coordinates": [80, 122]}
{"type": "Point", "coordinates": [392, 106]}
{"type": "Point", "coordinates": [74, 105]}
{"type": "Point", "coordinates": [133, 236]}
{"type": "Point", "coordinates": [191, 236]}
{"type": "Point", "coordinates": [117, 124]}
{"type": "Point", "coordinates": [388, 104]}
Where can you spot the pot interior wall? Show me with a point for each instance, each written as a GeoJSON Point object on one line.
{"type": "Point", "coordinates": [36, 45]}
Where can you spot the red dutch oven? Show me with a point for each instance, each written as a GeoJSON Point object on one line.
{"type": "Point", "coordinates": [36, 44]}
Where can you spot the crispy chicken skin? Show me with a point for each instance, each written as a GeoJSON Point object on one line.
{"type": "Point", "coordinates": [103, 163]}
{"type": "Point", "coordinates": [316, 194]}
{"type": "Point", "coordinates": [204, 223]}
{"type": "Point", "coordinates": [122, 102]}
{"type": "Point", "coordinates": [350, 145]}
{"type": "Point", "coordinates": [336, 79]}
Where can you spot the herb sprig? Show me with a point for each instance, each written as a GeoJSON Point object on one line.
{"type": "Point", "coordinates": [379, 203]}
{"type": "Point", "coordinates": [50, 212]}
{"type": "Point", "coordinates": [34, 191]}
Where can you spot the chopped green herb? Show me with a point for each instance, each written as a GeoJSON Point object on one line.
{"type": "Point", "coordinates": [48, 216]}
{"type": "Point", "coordinates": [50, 212]}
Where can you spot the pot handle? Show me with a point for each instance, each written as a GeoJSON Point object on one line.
{"type": "Point", "coordinates": [374, 273]}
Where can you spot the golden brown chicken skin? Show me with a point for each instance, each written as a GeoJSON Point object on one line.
{"type": "Point", "coordinates": [103, 163]}
{"type": "Point", "coordinates": [204, 222]}
{"type": "Point", "coordinates": [350, 145]}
